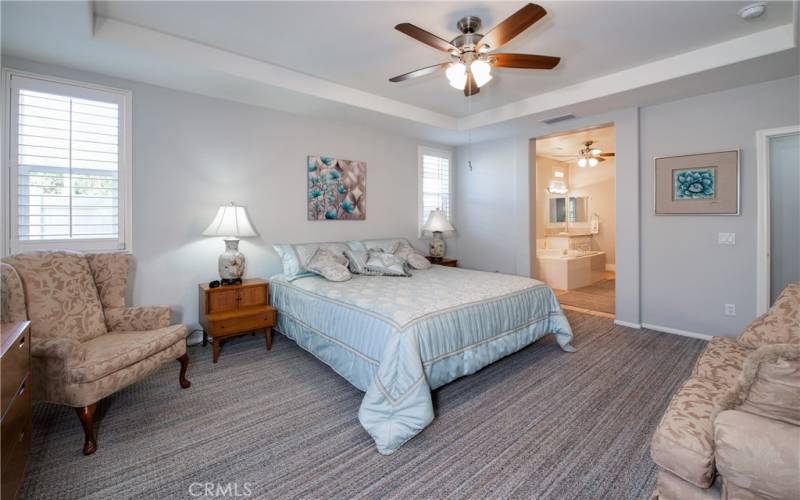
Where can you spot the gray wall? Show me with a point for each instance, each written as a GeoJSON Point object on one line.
{"type": "Point", "coordinates": [687, 277]}
{"type": "Point", "coordinates": [496, 213]}
{"type": "Point", "coordinates": [192, 153]}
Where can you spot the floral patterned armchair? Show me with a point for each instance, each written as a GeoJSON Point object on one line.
{"type": "Point", "coordinates": [85, 343]}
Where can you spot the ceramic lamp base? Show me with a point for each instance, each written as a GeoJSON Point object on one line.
{"type": "Point", "coordinates": [231, 262]}
{"type": "Point", "coordinates": [438, 247]}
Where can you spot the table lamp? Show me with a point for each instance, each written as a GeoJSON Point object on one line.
{"type": "Point", "coordinates": [231, 222]}
{"type": "Point", "coordinates": [437, 224]}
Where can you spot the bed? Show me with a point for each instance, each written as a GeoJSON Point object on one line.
{"type": "Point", "coordinates": [398, 338]}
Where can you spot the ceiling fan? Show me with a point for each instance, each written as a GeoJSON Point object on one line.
{"type": "Point", "coordinates": [589, 155]}
{"type": "Point", "coordinates": [471, 52]}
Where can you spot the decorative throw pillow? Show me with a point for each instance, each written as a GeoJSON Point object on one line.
{"type": "Point", "coordinates": [388, 245]}
{"type": "Point", "coordinates": [386, 264]}
{"type": "Point", "coordinates": [417, 261]}
{"type": "Point", "coordinates": [295, 257]}
{"type": "Point", "coordinates": [330, 265]}
{"type": "Point", "coordinates": [779, 325]}
{"type": "Point", "coordinates": [411, 256]}
{"type": "Point", "coordinates": [357, 254]}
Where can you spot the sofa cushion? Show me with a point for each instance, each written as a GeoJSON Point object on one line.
{"type": "Point", "coordinates": [766, 462]}
{"type": "Point", "coordinates": [779, 325]}
{"type": "Point", "coordinates": [110, 273]}
{"type": "Point", "coordinates": [115, 351]}
{"type": "Point", "coordinates": [671, 487]}
{"type": "Point", "coordinates": [60, 295]}
{"type": "Point", "coordinates": [722, 360]}
{"type": "Point", "coordinates": [684, 442]}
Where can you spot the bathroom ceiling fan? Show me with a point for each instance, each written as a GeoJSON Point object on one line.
{"type": "Point", "coordinates": [589, 155]}
{"type": "Point", "coordinates": [472, 59]}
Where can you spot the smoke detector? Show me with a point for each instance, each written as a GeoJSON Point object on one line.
{"type": "Point", "coordinates": [753, 11]}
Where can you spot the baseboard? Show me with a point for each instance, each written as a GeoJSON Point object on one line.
{"type": "Point", "coordinates": [628, 324]}
{"type": "Point", "coordinates": [611, 267]}
{"type": "Point", "coordinates": [675, 331]}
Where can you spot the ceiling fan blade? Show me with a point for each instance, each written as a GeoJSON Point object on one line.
{"type": "Point", "coordinates": [471, 87]}
{"type": "Point", "coordinates": [608, 154]}
{"type": "Point", "coordinates": [423, 36]}
{"type": "Point", "coordinates": [525, 61]}
{"type": "Point", "coordinates": [419, 72]}
{"type": "Point", "coordinates": [513, 26]}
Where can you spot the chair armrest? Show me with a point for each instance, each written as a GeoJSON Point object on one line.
{"type": "Point", "coordinates": [758, 454]}
{"type": "Point", "coordinates": [12, 295]}
{"type": "Point", "coordinates": [120, 319]}
{"type": "Point", "coordinates": [769, 384]}
{"type": "Point", "coordinates": [63, 349]}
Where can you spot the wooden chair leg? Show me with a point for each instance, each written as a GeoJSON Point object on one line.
{"type": "Point", "coordinates": [268, 337]}
{"type": "Point", "coordinates": [184, 361]}
{"type": "Point", "coordinates": [86, 416]}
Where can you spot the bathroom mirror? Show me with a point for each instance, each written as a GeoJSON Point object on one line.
{"type": "Point", "coordinates": [557, 211]}
{"type": "Point", "coordinates": [579, 209]}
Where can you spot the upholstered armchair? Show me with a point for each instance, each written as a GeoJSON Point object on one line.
{"type": "Point", "coordinates": [85, 343]}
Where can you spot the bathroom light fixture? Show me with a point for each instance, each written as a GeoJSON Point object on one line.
{"type": "Point", "coordinates": [557, 187]}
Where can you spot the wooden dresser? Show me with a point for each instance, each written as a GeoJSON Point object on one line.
{"type": "Point", "coordinates": [15, 369]}
{"type": "Point", "coordinates": [230, 310]}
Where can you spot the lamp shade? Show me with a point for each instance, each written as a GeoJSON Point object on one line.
{"type": "Point", "coordinates": [231, 220]}
{"type": "Point", "coordinates": [437, 222]}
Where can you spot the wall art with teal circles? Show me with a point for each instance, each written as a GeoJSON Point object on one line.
{"type": "Point", "coordinates": [337, 189]}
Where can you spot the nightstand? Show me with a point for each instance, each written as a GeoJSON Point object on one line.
{"type": "Point", "coordinates": [227, 311]}
{"type": "Point", "coordinates": [443, 261]}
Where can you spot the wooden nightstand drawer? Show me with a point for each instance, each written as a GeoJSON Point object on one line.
{"type": "Point", "coordinates": [16, 425]}
{"type": "Point", "coordinates": [14, 367]}
{"type": "Point", "coordinates": [258, 319]}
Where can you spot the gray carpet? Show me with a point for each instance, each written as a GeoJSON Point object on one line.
{"type": "Point", "coordinates": [595, 297]}
{"type": "Point", "coordinates": [539, 424]}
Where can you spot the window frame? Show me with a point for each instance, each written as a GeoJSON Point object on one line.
{"type": "Point", "coordinates": [11, 243]}
{"type": "Point", "coordinates": [441, 153]}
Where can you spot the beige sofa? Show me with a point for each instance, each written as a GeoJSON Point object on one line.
{"type": "Point", "coordinates": [732, 430]}
{"type": "Point", "coordinates": [85, 343]}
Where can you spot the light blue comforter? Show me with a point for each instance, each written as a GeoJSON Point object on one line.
{"type": "Point", "coordinates": [398, 338]}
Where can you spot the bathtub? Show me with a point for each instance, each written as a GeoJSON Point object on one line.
{"type": "Point", "coordinates": [569, 269]}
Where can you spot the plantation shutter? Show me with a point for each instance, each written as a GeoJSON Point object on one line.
{"type": "Point", "coordinates": [435, 183]}
{"type": "Point", "coordinates": [66, 144]}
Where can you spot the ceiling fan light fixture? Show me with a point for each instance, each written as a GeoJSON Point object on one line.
{"type": "Point", "coordinates": [481, 71]}
{"type": "Point", "coordinates": [582, 162]}
{"type": "Point", "coordinates": [457, 75]}
{"type": "Point", "coordinates": [596, 152]}
{"type": "Point", "coordinates": [593, 162]}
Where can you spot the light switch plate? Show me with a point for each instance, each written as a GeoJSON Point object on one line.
{"type": "Point", "coordinates": [726, 238]}
{"type": "Point", "coordinates": [730, 309]}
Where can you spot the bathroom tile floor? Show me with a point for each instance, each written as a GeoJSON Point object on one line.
{"type": "Point", "coordinates": [595, 298]}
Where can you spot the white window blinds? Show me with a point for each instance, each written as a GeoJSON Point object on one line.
{"type": "Point", "coordinates": [435, 183]}
{"type": "Point", "coordinates": [67, 166]}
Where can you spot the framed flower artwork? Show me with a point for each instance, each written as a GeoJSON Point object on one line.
{"type": "Point", "coordinates": [701, 184]}
{"type": "Point", "coordinates": [337, 189]}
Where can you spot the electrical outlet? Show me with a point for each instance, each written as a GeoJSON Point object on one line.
{"type": "Point", "coordinates": [726, 238]}
{"type": "Point", "coordinates": [730, 309]}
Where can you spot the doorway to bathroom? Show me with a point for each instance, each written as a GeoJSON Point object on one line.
{"type": "Point", "coordinates": [575, 204]}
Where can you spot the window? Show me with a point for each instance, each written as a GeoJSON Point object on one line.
{"type": "Point", "coordinates": [70, 165]}
{"type": "Point", "coordinates": [435, 183]}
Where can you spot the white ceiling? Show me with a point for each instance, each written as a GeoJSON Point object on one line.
{"type": "Point", "coordinates": [335, 58]}
{"type": "Point", "coordinates": [355, 44]}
